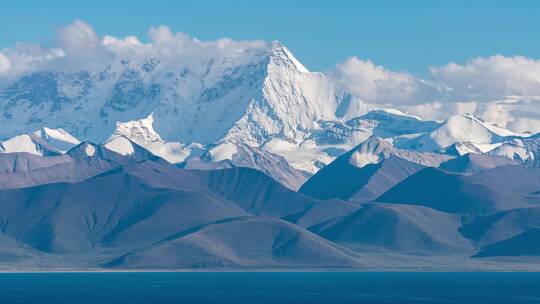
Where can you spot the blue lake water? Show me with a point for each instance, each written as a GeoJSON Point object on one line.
{"type": "Point", "coordinates": [272, 287]}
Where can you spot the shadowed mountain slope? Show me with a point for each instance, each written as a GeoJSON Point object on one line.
{"type": "Point", "coordinates": [486, 230]}
{"type": "Point", "coordinates": [126, 207]}
{"type": "Point", "coordinates": [254, 191]}
{"type": "Point", "coordinates": [471, 163]}
{"type": "Point", "coordinates": [240, 242]}
{"type": "Point", "coordinates": [345, 181]}
{"type": "Point", "coordinates": [524, 244]}
{"type": "Point", "coordinates": [402, 228]}
{"type": "Point", "coordinates": [82, 162]}
{"type": "Point", "coordinates": [482, 193]}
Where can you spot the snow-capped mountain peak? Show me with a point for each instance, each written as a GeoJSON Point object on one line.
{"type": "Point", "coordinates": [58, 138]}
{"type": "Point", "coordinates": [376, 149]}
{"type": "Point", "coordinates": [282, 57]}
{"type": "Point", "coordinates": [142, 133]}
{"type": "Point", "coordinates": [121, 145]}
{"type": "Point", "coordinates": [141, 130]}
{"type": "Point", "coordinates": [491, 126]}
{"type": "Point", "coordinates": [29, 143]}
{"type": "Point", "coordinates": [461, 148]}
{"type": "Point", "coordinates": [462, 128]}
{"type": "Point", "coordinates": [456, 129]}
{"type": "Point", "coordinates": [223, 151]}
{"type": "Point", "coordinates": [525, 151]}
{"type": "Point", "coordinates": [250, 96]}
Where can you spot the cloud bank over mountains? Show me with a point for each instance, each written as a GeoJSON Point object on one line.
{"type": "Point", "coordinates": [499, 89]}
{"type": "Point", "coordinates": [77, 46]}
{"type": "Point", "coordinates": [503, 90]}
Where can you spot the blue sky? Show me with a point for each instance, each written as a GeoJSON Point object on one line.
{"type": "Point", "coordinates": [400, 35]}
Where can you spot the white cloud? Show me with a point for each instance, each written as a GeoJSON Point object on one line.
{"type": "Point", "coordinates": [77, 38]}
{"type": "Point", "coordinates": [163, 35]}
{"type": "Point", "coordinates": [464, 107]}
{"type": "Point", "coordinates": [496, 113]}
{"type": "Point", "coordinates": [428, 110]}
{"type": "Point", "coordinates": [5, 64]}
{"type": "Point", "coordinates": [524, 125]}
{"type": "Point", "coordinates": [26, 57]}
{"type": "Point", "coordinates": [517, 114]}
{"type": "Point", "coordinates": [78, 47]}
{"type": "Point", "coordinates": [375, 84]}
{"type": "Point", "coordinates": [129, 41]}
{"type": "Point", "coordinates": [128, 47]}
{"type": "Point", "coordinates": [440, 110]}
{"type": "Point", "coordinates": [486, 79]}
{"type": "Point", "coordinates": [502, 90]}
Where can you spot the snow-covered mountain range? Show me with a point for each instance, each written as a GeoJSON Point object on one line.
{"type": "Point", "coordinates": [261, 97]}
